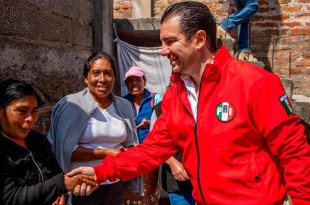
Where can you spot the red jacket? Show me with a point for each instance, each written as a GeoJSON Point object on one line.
{"type": "Point", "coordinates": [236, 152]}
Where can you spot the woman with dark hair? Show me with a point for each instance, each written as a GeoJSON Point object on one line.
{"type": "Point", "coordinates": [29, 172]}
{"type": "Point", "coordinates": [89, 125]}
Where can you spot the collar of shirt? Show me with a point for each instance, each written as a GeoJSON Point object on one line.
{"type": "Point", "coordinates": [191, 93]}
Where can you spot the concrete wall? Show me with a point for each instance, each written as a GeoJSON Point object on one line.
{"type": "Point", "coordinates": [45, 42]}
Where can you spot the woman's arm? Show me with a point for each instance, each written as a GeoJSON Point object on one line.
{"type": "Point", "coordinates": [46, 192]}
{"type": "Point", "coordinates": [83, 154]}
{"type": "Point", "coordinates": [177, 169]}
{"type": "Point", "coordinates": [40, 193]}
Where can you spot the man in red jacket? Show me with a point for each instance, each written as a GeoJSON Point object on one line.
{"type": "Point", "coordinates": [233, 122]}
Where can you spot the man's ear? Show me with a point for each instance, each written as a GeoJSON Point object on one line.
{"type": "Point", "coordinates": [201, 39]}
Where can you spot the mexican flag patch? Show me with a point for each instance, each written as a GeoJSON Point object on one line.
{"type": "Point", "coordinates": [286, 103]}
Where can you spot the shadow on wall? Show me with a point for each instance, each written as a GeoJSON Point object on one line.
{"type": "Point", "coordinates": [266, 27]}
{"type": "Point", "coordinates": [307, 130]}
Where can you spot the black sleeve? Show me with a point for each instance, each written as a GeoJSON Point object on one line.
{"type": "Point", "coordinates": [40, 193]}
{"type": "Point", "coordinates": [28, 191]}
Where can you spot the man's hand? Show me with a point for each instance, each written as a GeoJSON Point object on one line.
{"type": "Point", "coordinates": [84, 188]}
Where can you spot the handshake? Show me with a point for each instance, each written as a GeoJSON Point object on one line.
{"type": "Point", "coordinates": [81, 181]}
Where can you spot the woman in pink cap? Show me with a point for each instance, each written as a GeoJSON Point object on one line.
{"type": "Point", "coordinates": [143, 102]}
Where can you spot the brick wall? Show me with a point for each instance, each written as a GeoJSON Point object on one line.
{"type": "Point", "coordinates": [280, 35]}
{"type": "Point", "coordinates": [122, 9]}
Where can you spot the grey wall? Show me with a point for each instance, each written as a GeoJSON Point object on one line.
{"type": "Point", "coordinates": [45, 42]}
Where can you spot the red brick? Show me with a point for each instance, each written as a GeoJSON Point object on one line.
{"type": "Point", "coordinates": [257, 47]}
{"type": "Point", "coordinates": [282, 55]}
{"type": "Point", "coordinates": [291, 24]}
{"type": "Point", "coordinates": [285, 17]}
{"type": "Point", "coordinates": [265, 32]}
{"type": "Point", "coordinates": [283, 1]}
{"type": "Point", "coordinates": [298, 31]}
{"type": "Point", "coordinates": [302, 63]}
{"type": "Point", "coordinates": [306, 54]}
{"type": "Point", "coordinates": [295, 55]}
{"type": "Point", "coordinates": [282, 63]}
{"type": "Point", "coordinates": [263, 17]}
{"type": "Point", "coordinates": [117, 7]}
{"type": "Point", "coordinates": [263, 2]}
{"type": "Point", "coordinates": [126, 6]}
{"type": "Point", "coordinates": [294, 71]}
{"type": "Point", "coordinates": [303, 15]}
{"type": "Point", "coordinates": [266, 25]}
{"type": "Point", "coordinates": [290, 8]}
{"type": "Point", "coordinates": [282, 47]}
{"type": "Point", "coordinates": [290, 39]}
{"type": "Point", "coordinates": [283, 72]}
{"type": "Point", "coordinates": [300, 47]}
{"type": "Point", "coordinates": [302, 1]}
{"type": "Point", "coordinates": [264, 10]}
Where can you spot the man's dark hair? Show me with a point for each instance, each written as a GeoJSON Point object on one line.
{"type": "Point", "coordinates": [193, 16]}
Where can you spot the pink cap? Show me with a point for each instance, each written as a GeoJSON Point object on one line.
{"type": "Point", "coordinates": [134, 71]}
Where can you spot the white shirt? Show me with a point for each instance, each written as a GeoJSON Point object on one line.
{"type": "Point", "coordinates": [105, 130]}
{"type": "Point", "coordinates": [191, 93]}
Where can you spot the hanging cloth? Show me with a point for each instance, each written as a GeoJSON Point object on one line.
{"type": "Point", "coordinates": [156, 67]}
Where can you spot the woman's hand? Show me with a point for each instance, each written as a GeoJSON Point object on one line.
{"type": "Point", "coordinates": [82, 154]}
{"type": "Point", "coordinates": [71, 181]}
{"type": "Point", "coordinates": [123, 149]}
{"type": "Point", "coordinates": [177, 169]}
{"type": "Point", "coordinates": [111, 152]}
{"type": "Point", "coordinates": [83, 189]}
{"type": "Point", "coordinates": [144, 123]}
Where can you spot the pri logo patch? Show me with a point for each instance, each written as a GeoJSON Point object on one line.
{"type": "Point", "coordinates": [286, 103]}
{"type": "Point", "coordinates": [225, 112]}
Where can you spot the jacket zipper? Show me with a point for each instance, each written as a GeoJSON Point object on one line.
{"type": "Point", "coordinates": [196, 139]}
{"type": "Point", "coordinates": [40, 172]}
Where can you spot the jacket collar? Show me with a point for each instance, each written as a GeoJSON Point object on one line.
{"type": "Point", "coordinates": [92, 104]}
{"type": "Point", "coordinates": [222, 57]}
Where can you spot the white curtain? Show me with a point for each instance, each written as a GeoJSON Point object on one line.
{"type": "Point", "coordinates": [156, 67]}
